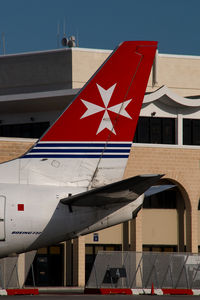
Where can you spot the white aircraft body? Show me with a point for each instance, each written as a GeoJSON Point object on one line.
{"type": "Point", "coordinates": [69, 183]}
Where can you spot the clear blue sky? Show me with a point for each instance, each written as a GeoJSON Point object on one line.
{"type": "Point", "coordinates": [31, 25]}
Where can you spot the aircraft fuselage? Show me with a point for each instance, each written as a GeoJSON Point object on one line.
{"type": "Point", "coordinates": [32, 217]}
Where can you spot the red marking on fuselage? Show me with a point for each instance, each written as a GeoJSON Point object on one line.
{"type": "Point", "coordinates": [20, 207]}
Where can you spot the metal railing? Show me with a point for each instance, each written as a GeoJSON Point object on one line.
{"type": "Point", "coordinates": [8, 273]}
{"type": "Point", "coordinates": [142, 269]}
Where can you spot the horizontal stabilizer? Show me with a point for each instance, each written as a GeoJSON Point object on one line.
{"type": "Point", "coordinates": [123, 191]}
{"type": "Point", "coordinates": [158, 189]}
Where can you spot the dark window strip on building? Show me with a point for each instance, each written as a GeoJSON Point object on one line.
{"type": "Point", "coordinates": [165, 200]}
{"type": "Point", "coordinates": [155, 130]}
{"type": "Point", "coordinates": [191, 132]}
{"type": "Point", "coordinates": [160, 248]}
{"type": "Point", "coordinates": [27, 130]}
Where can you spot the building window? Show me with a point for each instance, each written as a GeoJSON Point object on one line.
{"type": "Point", "coordinates": [160, 248]}
{"type": "Point", "coordinates": [164, 200]}
{"type": "Point", "coordinates": [155, 130]}
{"type": "Point", "coordinates": [191, 132]}
{"type": "Point", "coordinates": [27, 130]}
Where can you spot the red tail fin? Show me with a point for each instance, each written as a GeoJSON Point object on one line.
{"type": "Point", "coordinates": [108, 106]}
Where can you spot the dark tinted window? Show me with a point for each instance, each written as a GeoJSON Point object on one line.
{"type": "Point", "coordinates": [191, 132]}
{"type": "Point", "coordinates": [166, 199]}
{"type": "Point", "coordinates": [28, 130]}
{"type": "Point", "coordinates": [160, 248]}
{"type": "Point", "coordinates": [155, 130]}
{"type": "Point", "coordinates": [168, 131]}
{"type": "Point", "coordinates": [143, 130]}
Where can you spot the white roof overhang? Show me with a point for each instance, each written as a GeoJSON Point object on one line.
{"type": "Point", "coordinates": [36, 101]}
{"type": "Point", "coordinates": [168, 97]}
{"type": "Point", "coordinates": [49, 99]}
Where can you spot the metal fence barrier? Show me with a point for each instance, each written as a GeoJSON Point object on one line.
{"type": "Point", "coordinates": [8, 273]}
{"type": "Point", "coordinates": [12, 273]}
{"type": "Point", "coordinates": [128, 269]}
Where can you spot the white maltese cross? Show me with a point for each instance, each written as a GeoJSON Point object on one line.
{"type": "Point", "coordinates": [94, 109]}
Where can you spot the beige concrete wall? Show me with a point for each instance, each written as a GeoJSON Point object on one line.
{"type": "Point", "coordinates": [199, 227]}
{"type": "Point", "coordinates": [85, 63]}
{"type": "Point", "coordinates": [181, 165]}
{"type": "Point", "coordinates": [79, 261]}
{"type": "Point", "coordinates": [178, 72]}
{"type": "Point", "coordinates": [112, 235]}
{"type": "Point", "coordinates": [12, 148]}
{"type": "Point", "coordinates": [159, 226]}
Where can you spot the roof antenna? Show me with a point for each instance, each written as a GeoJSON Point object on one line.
{"type": "Point", "coordinates": [3, 43]}
{"type": "Point", "coordinates": [58, 34]}
{"type": "Point", "coordinates": [77, 39]}
{"type": "Point", "coordinates": [64, 39]}
{"type": "Point", "coordinates": [68, 41]}
{"type": "Point", "coordinates": [64, 29]}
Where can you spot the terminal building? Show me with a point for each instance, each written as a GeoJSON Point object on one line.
{"type": "Point", "coordinates": [36, 87]}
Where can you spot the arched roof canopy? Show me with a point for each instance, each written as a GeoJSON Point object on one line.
{"type": "Point", "coordinates": [180, 187]}
{"type": "Point", "coordinates": [168, 97]}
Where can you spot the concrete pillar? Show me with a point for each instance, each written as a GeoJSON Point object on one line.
{"type": "Point", "coordinates": [136, 233]}
{"type": "Point", "coordinates": [180, 214]}
{"type": "Point", "coordinates": [125, 236]}
{"type": "Point", "coordinates": [155, 70]}
{"type": "Point", "coordinates": [21, 269]}
{"type": "Point", "coordinates": [179, 130]}
{"type": "Point", "coordinates": [79, 261]}
{"type": "Point", "coordinates": [68, 263]}
{"type": "Point", "coordinates": [192, 229]}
